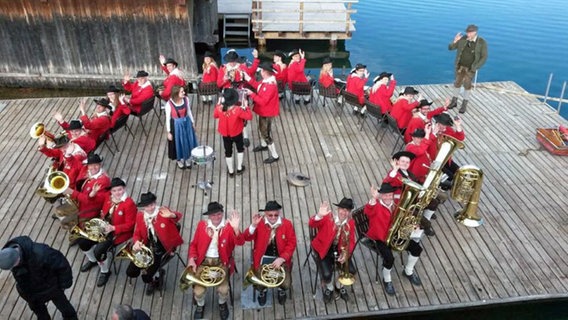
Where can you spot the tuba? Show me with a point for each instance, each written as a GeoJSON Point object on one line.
{"type": "Point", "coordinates": [209, 277]}
{"type": "Point", "coordinates": [142, 258]}
{"type": "Point", "coordinates": [94, 230]}
{"type": "Point", "coordinates": [415, 197]}
{"type": "Point", "coordinates": [270, 277]}
{"type": "Point", "coordinates": [345, 277]}
{"type": "Point", "coordinates": [466, 189]}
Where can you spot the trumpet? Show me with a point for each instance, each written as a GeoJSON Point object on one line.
{"type": "Point", "coordinates": [142, 258]}
{"type": "Point", "coordinates": [210, 276]}
{"type": "Point", "coordinates": [38, 129]}
{"type": "Point", "coordinates": [345, 277]}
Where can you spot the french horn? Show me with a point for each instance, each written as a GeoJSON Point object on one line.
{"type": "Point", "coordinates": [142, 258]}
{"type": "Point", "coordinates": [94, 230]}
{"type": "Point", "coordinates": [269, 276]}
{"type": "Point", "coordinates": [210, 276]}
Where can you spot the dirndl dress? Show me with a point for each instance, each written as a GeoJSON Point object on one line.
{"type": "Point", "coordinates": [184, 137]}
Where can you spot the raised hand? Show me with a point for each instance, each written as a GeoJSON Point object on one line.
{"type": "Point", "coordinates": [58, 117]}
{"type": "Point", "coordinates": [162, 59]}
{"type": "Point", "coordinates": [234, 219]}
{"type": "Point", "coordinates": [256, 219]}
{"type": "Point", "coordinates": [374, 192]}
{"type": "Point", "coordinates": [302, 53]}
{"type": "Point", "coordinates": [255, 53]}
{"type": "Point", "coordinates": [457, 37]}
{"type": "Point", "coordinates": [324, 209]}
{"type": "Point", "coordinates": [394, 165]}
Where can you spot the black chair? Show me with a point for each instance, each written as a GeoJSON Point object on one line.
{"type": "Point", "coordinates": [301, 89]}
{"type": "Point", "coordinates": [102, 140]}
{"type": "Point", "coordinates": [373, 111]}
{"type": "Point", "coordinates": [362, 226]}
{"type": "Point", "coordinates": [317, 260]}
{"type": "Point", "coordinates": [119, 124]}
{"type": "Point", "coordinates": [207, 89]}
{"type": "Point", "coordinates": [393, 128]}
{"type": "Point", "coordinates": [147, 106]}
{"type": "Point", "coordinates": [350, 99]}
{"type": "Point", "coordinates": [330, 93]}
{"type": "Point", "coordinates": [282, 91]}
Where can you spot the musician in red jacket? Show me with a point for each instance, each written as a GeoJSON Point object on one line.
{"type": "Point", "coordinates": [80, 137]}
{"type": "Point", "coordinates": [402, 108]}
{"type": "Point", "coordinates": [232, 73]}
{"type": "Point", "coordinates": [141, 90]}
{"type": "Point", "coordinates": [91, 193]}
{"type": "Point", "coordinates": [213, 243]}
{"type": "Point", "coordinates": [379, 210]}
{"type": "Point", "coordinates": [334, 243]}
{"type": "Point", "coordinates": [382, 90]}
{"type": "Point", "coordinates": [174, 77]}
{"type": "Point", "coordinates": [445, 125]}
{"type": "Point", "coordinates": [69, 156]}
{"type": "Point", "coordinates": [96, 125]}
{"type": "Point", "coordinates": [119, 211]}
{"type": "Point", "coordinates": [422, 116]}
{"type": "Point", "coordinates": [156, 228]}
{"type": "Point", "coordinates": [400, 163]}
{"type": "Point", "coordinates": [274, 243]}
{"type": "Point", "coordinates": [231, 123]}
{"type": "Point", "coordinates": [281, 69]}
{"type": "Point", "coordinates": [267, 106]}
{"type": "Point", "coordinates": [296, 72]}
{"type": "Point", "coordinates": [356, 85]}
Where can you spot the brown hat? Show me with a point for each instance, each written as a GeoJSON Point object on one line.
{"type": "Point", "coordinates": [213, 207]}
{"type": "Point", "coordinates": [471, 28]}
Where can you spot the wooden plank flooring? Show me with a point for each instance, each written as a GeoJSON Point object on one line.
{"type": "Point", "coordinates": [520, 253]}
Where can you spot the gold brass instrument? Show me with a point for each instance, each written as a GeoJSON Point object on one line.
{"type": "Point", "coordinates": [345, 277]}
{"type": "Point", "coordinates": [38, 129]}
{"type": "Point", "coordinates": [466, 189]}
{"type": "Point", "coordinates": [209, 277]}
{"type": "Point", "coordinates": [94, 230]}
{"type": "Point", "coordinates": [415, 197]}
{"type": "Point", "coordinates": [56, 182]}
{"type": "Point", "coordinates": [142, 258]}
{"type": "Point", "coordinates": [270, 277]}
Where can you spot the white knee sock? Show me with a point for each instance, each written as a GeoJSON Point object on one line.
{"type": "Point", "coordinates": [387, 275]}
{"type": "Point", "coordinates": [466, 94]}
{"type": "Point", "coordinates": [428, 214]}
{"type": "Point", "coordinates": [457, 92]}
{"type": "Point", "coordinates": [230, 164]}
{"type": "Point", "coordinates": [91, 254]}
{"type": "Point", "coordinates": [329, 286]}
{"type": "Point", "coordinates": [105, 265]}
{"type": "Point", "coordinates": [240, 157]}
{"type": "Point", "coordinates": [410, 263]}
{"type": "Point", "coordinates": [201, 302]}
{"type": "Point", "coordinates": [272, 149]}
{"type": "Point", "coordinates": [263, 143]}
{"type": "Point", "coordinates": [245, 132]}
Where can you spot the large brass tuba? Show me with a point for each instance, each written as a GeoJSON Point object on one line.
{"type": "Point", "coordinates": [142, 258]}
{"type": "Point", "coordinates": [345, 277]}
{"type": "Point", "coordinates": [209, 277]}
{"type": "Point", "coordinates": [94, 230]}
{"type": "Point", "coordinates": [269, 276]}
{"type": "Point", "coordinates": [466, 189]}
{"type": "Point", "coordinates": [415, 197]}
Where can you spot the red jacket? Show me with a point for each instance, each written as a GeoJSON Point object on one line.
{"type": "Point", "coordinates": [266, 103]}
{"type": "Point", "coordinates": [356, 86]}
{"type": "Point", "coordinates": [326, 81]}
{"type": "Point", "coordinates": [296, 72]}
{"type": "Point", "coordinates": [123, 219]}
{"type": "Point", "coordinates": [139, 94]}
{"type": "Point", "coordinates": [231, 122]}
{"type": "Point", "coordinates": [164, 228]}
{"type": "Point", "coordinates": [419, 166]}
{"type": "Point", "coordinates": [380, 218]}
{"type": "Point", "coordinates": [170, 81]}
{"type": "Point", "coordinates": [402, 111]}
{"type": "Point", "coordinates": [285, 241]}
{"type": "Point", "coordinates": [326, 234]}
{"type": "Point", "coordinates": [72, 165]}
{"type": "Point", "coordinates": [85, 142]}
{"type": "Point", "coordinates": [119, 111]}
{"type": "Point", "coordinates": [382, 96]}
{"type": "Point", "coordinates": [226, 244]}
{"type": "Point", "coordinates": [396, 182]}
{"type": "Point", "coordinates": [91, 207]}
{"type": "Point", "coordinates": [281, 74]}
{"type": "Point", "coordinates": [433, 148]}
{"type": "Point", "coordinates": [419, 123]}
{"type": "Point", "coordinates": [211, 74]}
{"type": "Point", "coordinates": [96, 126]}
{"type": "Point", "coordinates": [222, 83]}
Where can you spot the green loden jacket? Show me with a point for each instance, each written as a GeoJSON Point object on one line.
{"type": "Point", "coordinates": [480, 52]}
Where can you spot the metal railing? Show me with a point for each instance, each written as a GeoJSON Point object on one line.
{"type": "Point", "coordinates": [301, 7]}
{"type": "Point", "coordinates": [559, 100]}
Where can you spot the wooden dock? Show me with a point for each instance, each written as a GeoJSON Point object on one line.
{"type": "Point", "coordinates": [519, 254]}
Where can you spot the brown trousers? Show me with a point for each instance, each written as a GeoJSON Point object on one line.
{"type": "Point", "coordinates": [463, 77]}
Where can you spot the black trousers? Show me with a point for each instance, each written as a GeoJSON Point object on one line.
{"type": "Point", "coordinates": [101, 248]}
{"type": "Point", "coordinates": [413, 248]}
{"type": "Point", "coordinates": [133, 271]}
{"type": "Point", "coordinates": [228, 144]}
{"type": "Point", "coordinates": [327, 265]}
{"type": "Point", "coordinates": [450, 169]}
{"type": "Point", "coordinates": [60, 301]}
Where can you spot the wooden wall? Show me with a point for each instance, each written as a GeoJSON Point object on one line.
{"type": "Point", "coordinates": [89, 43]}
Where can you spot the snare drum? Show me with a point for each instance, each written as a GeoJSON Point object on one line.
{"type": "Point", "coordinates": [202, 155]}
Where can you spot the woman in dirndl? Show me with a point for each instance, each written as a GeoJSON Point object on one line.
{"type": "Point", "coordinates": [180, 128]}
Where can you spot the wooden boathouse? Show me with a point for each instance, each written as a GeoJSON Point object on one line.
{"type": "Point", "coordinates": [519, 254]}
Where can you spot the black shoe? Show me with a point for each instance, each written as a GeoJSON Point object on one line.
{"type": "Point", "coordinates": [453, 103]}
{"type": "Point", "coordinates": [103, 279]}
{"type": "Point", "coordinates": [159, 282]}
{"type": "Point", "coordinates": [73, 242]}
{"type": "Point", "coordinates": [327, 295]}
{"type": "Point", "coordinates": [414, 279]}
{"type": "Point", "coordinates": [262, 297]}
{"type": "Point", "coordinates": [54, 216]}
{"type": "Point", "coordinates": [88, 266]}
{"type": "Point", "coordinates": [224, 311]}
{"type": "Point", "coordinates": [446, 185]}
{"type": "Point", "coordinates": [389, 288]}
{"type": "Point", "coordinates": [343, 294]}
{"type": "Point", "coordinates": [463, 108]}
{"type": "Point", "coordinates": [246, 142]}
{"type": "Point", "coordinates": [260, 148]}
{"type": "Point", "coordinates": [150, 287]}
{"type": "Point", "coordinates": [198, 314]}
{"type": "Point", "coordinates": [429, 232]}
{"type": "Point", "coordinates": [297, 101]}
{"type": "Point", "coordinates": [306, 102]}
{"type": "Point", "coordinates": [282, 296]}
{"type": "Point", "coordinates": [270, 160]}
{"type": "Point", "coordinates": [355, 112]}
{"type": "Point", "coordinates": [239, 172]}
{"type": "Point", "coordinates": [433, 217]}
{"type": "Point", "coordinates": [231, 174]}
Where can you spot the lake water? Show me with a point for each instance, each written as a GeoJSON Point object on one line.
{"type": "Point", "coordinates": [527, 40]}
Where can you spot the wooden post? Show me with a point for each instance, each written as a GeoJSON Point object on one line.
{"type": "Point", "coordinates": [301, 17]}
{"type": "Point", "coordinates": [347, 18]}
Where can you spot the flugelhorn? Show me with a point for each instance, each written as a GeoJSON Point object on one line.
{"type": "Point", "coordinates": [142, 258]}
{"type": "Point", "coordinates": [210, 276]}
{"type": "Point", "coordinates": [269, 276]}
{"type": "Point", "coordinates": [38, 129]}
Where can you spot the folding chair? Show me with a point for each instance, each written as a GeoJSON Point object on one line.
{"type": "Point", "coordinates": [393, 126]}
{"type": "Point", "coordinates": [328, 93]}
{"type": "Point", "coordinates": [119, 124]}
{"type": "Point", "coordinates": [350, 99]}
{"type": "Point", "coordinates": [207, 89]}
{"type": "Point", "coordinates": [315, 256]}
{"type": "Point", "coordinates": [362, 226]}
{"type": "Point", "coordinates": [147, 106]}
{"type": "Point", "coordinates": [282, 91]}
{"type": "Point", "coordinates": [374, 111]}
{"type": "Point", "coordinates": [102, 140]}
{"type": "Point", "coordinates": [301, 89]}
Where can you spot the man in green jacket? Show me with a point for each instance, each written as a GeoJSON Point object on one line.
{"type": "Point", "coordinates": [470, 57]}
